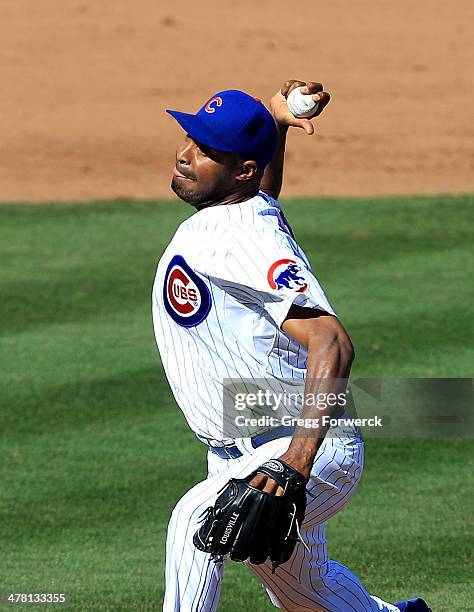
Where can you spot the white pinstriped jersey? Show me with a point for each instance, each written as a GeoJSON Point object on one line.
{"type": "Point", "coordinates": [222, 289]}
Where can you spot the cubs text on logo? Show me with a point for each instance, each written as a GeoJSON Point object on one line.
{"type": "Point", "coordinates": [212, 104]}
{"type": "Point", "coordinates": [286, 274]}
{"type": "Point", "coordinates": [185, 295]}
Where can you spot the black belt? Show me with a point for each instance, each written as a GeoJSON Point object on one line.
{"type": "Point", "coordinates": [232, 452]}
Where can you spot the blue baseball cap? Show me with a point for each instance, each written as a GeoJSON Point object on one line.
{"type": "Point", "coordinates": [233, 122]}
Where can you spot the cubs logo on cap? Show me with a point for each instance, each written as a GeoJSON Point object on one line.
{"type": "Point", "coordinates": [185, 295]}
{"type": "Point", "coordinates": [287, 274]}
{"type": "Point", "coordinates": [212, 104]}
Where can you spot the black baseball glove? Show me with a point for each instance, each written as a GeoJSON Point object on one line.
{"type": "Point", "coordinates": [246, 523]}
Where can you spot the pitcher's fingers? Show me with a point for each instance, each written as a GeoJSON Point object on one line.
{"type": "Point", "coordinates": [312, 88]}
{"type": "Point", "coordinates": [290, 85]}
{"type": "Point", "coordinates": [296, 84]}
{"type": "Point", "coordinates": [258, 481]}
{"type": "Point", "coordinates": [286, 87]}
{"type": "Point", "coordinates": [304, 124]}
{"type": "Point", "coordinates": [324, 98]}
{"type": "Point", "coordinates": [271, 486]}
{"type": "Point", "coordinates": [307, 126]}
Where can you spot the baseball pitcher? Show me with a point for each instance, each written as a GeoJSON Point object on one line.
{"type": "Point", "coordinates": [235, 299]}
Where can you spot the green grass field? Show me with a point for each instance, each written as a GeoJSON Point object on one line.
{"type": "Point", "coordinates": [94, 451]}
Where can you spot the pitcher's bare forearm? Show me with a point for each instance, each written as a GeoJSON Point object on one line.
{"type": "Point", "coordinates": [330, 355]}
{"type": "Point", "coordinates": [273, 176]}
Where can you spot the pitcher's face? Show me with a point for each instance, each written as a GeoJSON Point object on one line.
{"type": "Point", "coordinates": [202, 174]}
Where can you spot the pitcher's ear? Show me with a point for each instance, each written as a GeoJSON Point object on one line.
{"type": "Point", "coordinates": [248, 170]}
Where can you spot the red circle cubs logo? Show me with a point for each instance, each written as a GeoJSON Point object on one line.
{"type": "Point", "coordinates": [183, 294]}
{"type": "Point", "coordinates": [286, 274]}
{"type": "Point", "coordinates": [186, 296]}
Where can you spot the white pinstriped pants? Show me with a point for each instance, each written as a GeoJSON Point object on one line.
{"type": "Point", "coordinates": [309, 580]}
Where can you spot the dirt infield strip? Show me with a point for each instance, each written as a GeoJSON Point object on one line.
{"type": "Point", "coordinates": [85, 85]}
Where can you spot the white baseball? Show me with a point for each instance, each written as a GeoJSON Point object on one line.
{"type": "Point", "coordinates": [301, 105]}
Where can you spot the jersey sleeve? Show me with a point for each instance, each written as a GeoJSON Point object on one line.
{"type": "Point", "coordinates": [270, 275]}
